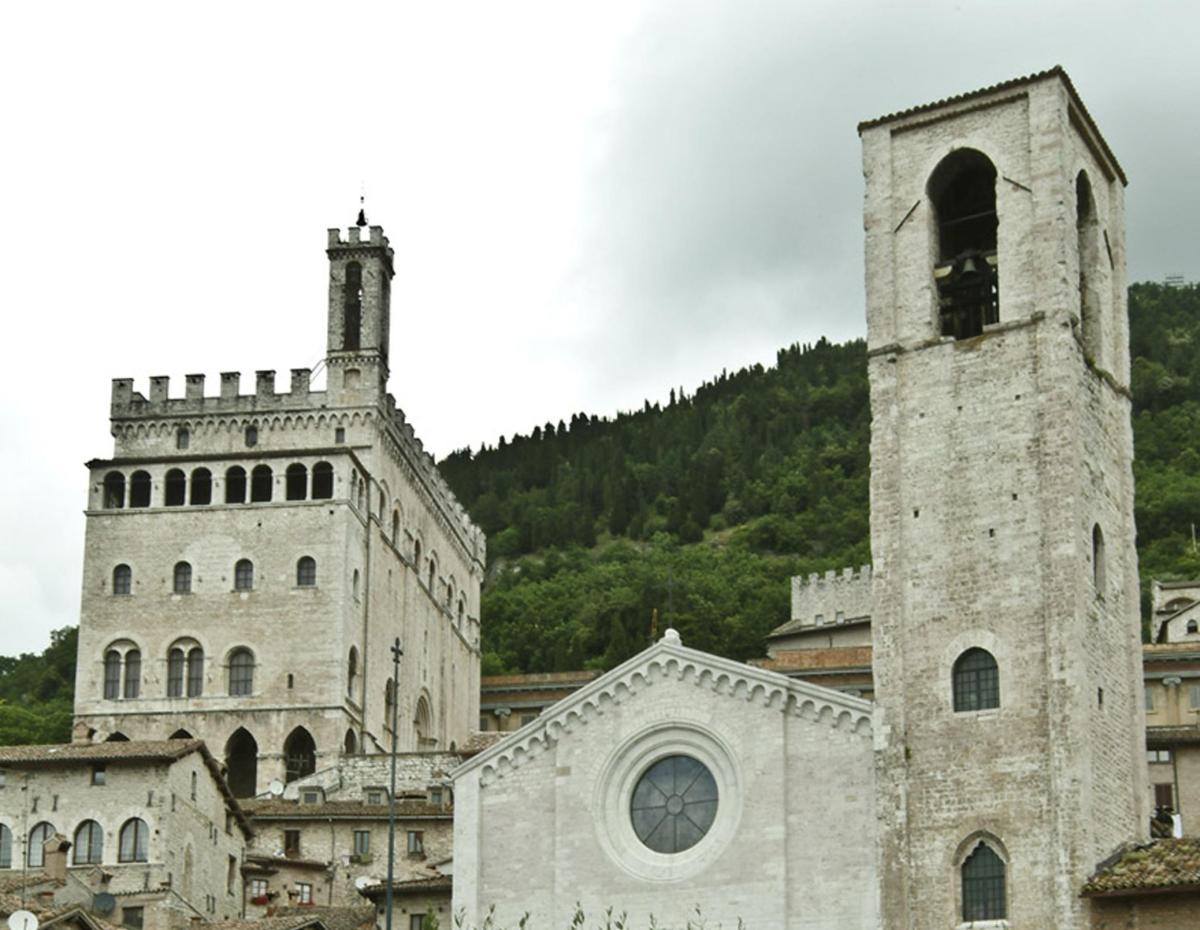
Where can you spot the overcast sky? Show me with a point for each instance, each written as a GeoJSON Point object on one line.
{"type": "Point", "coordinates": [590, 203]}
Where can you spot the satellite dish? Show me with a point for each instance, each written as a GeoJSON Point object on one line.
{"type": "Point", "coordinates": [22, 920]}
{"type": "Point", "coordinates": [276, 787]}
{"type": "Point", "coordinates": [360, 883]}
{"type": "Point", "coordinates": [104, 903]}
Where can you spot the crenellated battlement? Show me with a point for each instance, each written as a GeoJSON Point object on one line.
{"type": "Point", "coordinates": [832, 598]}
{"type": "Point", "coordinates": [127, 403]}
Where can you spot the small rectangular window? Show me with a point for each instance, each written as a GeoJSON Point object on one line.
{"type": "Point", "coordinates": [483, 723]}
{"type": "Point", "coordinates": [339, 435]}
{"type": "Point", "coordinates": [258, 890]}
{"type": "Point", "coordinates": [1158, 755]}
{"type": "Point", "coordinates": [304, 892]}
{"type": "Point", "coordinates": [1164, 795]}
{"type": "Point", "coordinates": [527, 719]}
{"type": "Point", "coordinates": [1194, 697]}
{"type": "Point", "coordinates": [231, 875]}
{"type": "Point", "coordinates": [1149, 697]}
{"type": "Point", "coordinates": [376, 797]}
{"type": "Point", "coordinates": [132, 917]}
{"type": "Point", "coordinates": [362, 842]}
{"type": "Point", "coordinates": [98, 775]}
{"type": "Point", "coordinates": [416, 922]}
{"type": "Point", "coordinates": [291, 843]}
{"type": "Point", "coordinates": [416, 843]}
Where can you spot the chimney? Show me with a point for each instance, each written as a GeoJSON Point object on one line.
{"type": "Point", "coordinates": [55, 857]}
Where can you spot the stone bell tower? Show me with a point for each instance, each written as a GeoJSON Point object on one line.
{"type": "Point", "coordinates": [360, 278]}
{"type": "Point", "coordinates": [1006, 629]}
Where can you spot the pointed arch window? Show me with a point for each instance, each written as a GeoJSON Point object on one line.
{"type": "Point", "coordinates": [983, 881]}
{"type": "Point", "coordinates": [306, 572]}
{"type": "Point", "coordinates": [300, 754]}
{"type": "Point", "coordinates": [235, 485]}
{"type": "Point", "coordinates": [89, 843]}
{"type": "Point", "coordinates": [183, 578]}
{"type": "Point", "coordinates": [241, 672]}
{"type": "Point", "coordinates": [134, 841]}
{"type": "Point", "coordinates": [976, 681]}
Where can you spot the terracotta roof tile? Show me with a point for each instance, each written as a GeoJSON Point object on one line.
{"type": "Point", "coordinates": [825, 658]}
{"type": "Point", "coordinates": [1158, 866]}
{"type": "Point", "coordinates": [1165, 737]}
{"type": "Point", "coordinates": [536, 679]}
{"type": "Point", "coordinates": [335, 918]}
{"type": "Point", "coordinates": [278, 809]}
{"type": "Point", "coordinates": [163, 750]}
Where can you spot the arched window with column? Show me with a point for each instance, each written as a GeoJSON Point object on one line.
{"type": "Point", "coordinates": [139, 489]}
{"type": "Point", "coordinates": [114, 491]}
{"type": "Point", "coordinates": [261, 484]}
{"type": "Point", "coordinates": [322, 481]}
{"type": "Point", "coordinates": [962, 192]}
{"type": "Point", "coordinates": [976, 681]}
{"type": "Point", "coordinates": [133, 673]}
{"type": "Point", "coordinates": [112, 674]}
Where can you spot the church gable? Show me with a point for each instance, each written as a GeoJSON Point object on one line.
{"type": "Point", "coordinates": [669, 660]}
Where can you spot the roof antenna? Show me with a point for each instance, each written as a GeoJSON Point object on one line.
{"type": "Point", "coordinates": [362, 211]}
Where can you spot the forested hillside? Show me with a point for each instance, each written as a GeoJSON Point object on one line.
{"type": "Point", "coordinates": [696, 514]}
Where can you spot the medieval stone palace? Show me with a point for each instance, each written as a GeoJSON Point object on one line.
{"type": "Point", "coordinates": [251, 558]}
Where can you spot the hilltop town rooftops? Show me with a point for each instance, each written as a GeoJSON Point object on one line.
{"type": "Point", "coordinates": [1160, 867]}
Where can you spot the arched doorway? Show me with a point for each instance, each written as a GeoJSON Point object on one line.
{"type": "Point", "coordinates": [300, 754]}
{"type": "Point", "coordinates": [241, 763]}
{"type": "Point", "coordinates": [350, 746]}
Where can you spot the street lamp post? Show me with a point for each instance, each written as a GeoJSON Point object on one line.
{"type": "Point", "coordinates": [397, 652]}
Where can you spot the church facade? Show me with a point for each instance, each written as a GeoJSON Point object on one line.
{"type": "Point", "coordinates": [1003, 759]}
{"type": "Point", "coordinates": [251, 558]}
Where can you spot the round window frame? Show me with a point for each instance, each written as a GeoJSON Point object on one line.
{"type": "Point", "coordinates": [622, 771]}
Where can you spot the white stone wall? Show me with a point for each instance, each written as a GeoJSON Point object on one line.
{"type": "Point", "coordinates": [539, 828]}
{"type": "Point", "coordinates": [992, 458]}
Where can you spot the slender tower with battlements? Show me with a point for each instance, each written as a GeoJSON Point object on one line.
{"type": "Point", "coordinates": [249, 559]}
{"type": "Point", "coordinates": [1006, 633]}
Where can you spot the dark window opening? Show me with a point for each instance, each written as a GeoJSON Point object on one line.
{"type": "Point", "coordinates": [1099, 569]}
{"type": "Point", "coordinates": [251, 437]}
{"type": "Point", "coordinates": [306, 572]}
{"type": "Point", "coordinates": [962, 190]}
{"type": "Point", "coordinates": [300, 754]}
{"type": "Point", "coordinates": [133, 917]}
{"type": "Point", "coordinates": [352, 673]}
{"type": "Point", "coordinates": [112, 674]}
{"type": "Point", "coordinates": [339, 434]}
{"type": "Point", "coordinates": [175, 662]}
{"type": "Point", "coordinates": [243, 575]}
{"type": "Point", "coordinates": [1088, 249]}
{"type": "Point", "coordinates": [201, 487]}
{"type": "Point", "coordinates": [114, 490]}
{"type": "Point", "coordinates": [139, 489]}
{"type": "Point", "coordinates": [291, 843]}
{"type": "Point", "coordinates": [235, 485]}
{"type": "Point", "coordinates": [195, 671]}
{"type": "Point", "coordinates": [260, 484]}
{"type": "Point", "coordinates": [976, 681]}
{"type": "Point", "coordinates": [1164, 796]}
{"type": "Point", "coordinates": [241, 762]}
{"type": "Point", "coordinates": [183, 578]}
{"type": "Point", "coordinates": [983, 885]}
{"type": "Point", "coordinates": [297, 482]}
{"type": "Point", "coordinates": [350, 744]}
{"type": "Point", "coordinates": [174, 488]}
{"type": "Point", "coordinates": [322, 481]}
{"type": "Point", "coordinates": [133, 673]}
{"type": "Point", "coordinates": [182, 439]}
{"type": "Point", "coordinates": [352, 304]}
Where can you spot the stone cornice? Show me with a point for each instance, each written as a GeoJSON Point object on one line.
{"type": "Point", "coordinates": [668, 659]}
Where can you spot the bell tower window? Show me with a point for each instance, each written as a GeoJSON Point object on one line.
{"type": "Point", "coordinates": [962, 190]}
{"type": "Point", "coordinates": [352, 307]}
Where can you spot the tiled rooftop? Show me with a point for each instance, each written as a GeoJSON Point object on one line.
{"type": "Point", "coordinates": [277, 809]}
{"type": "Point", "coordinates": [1160, 866]}
{"type": "Point", "coordinates": [163, 750]}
